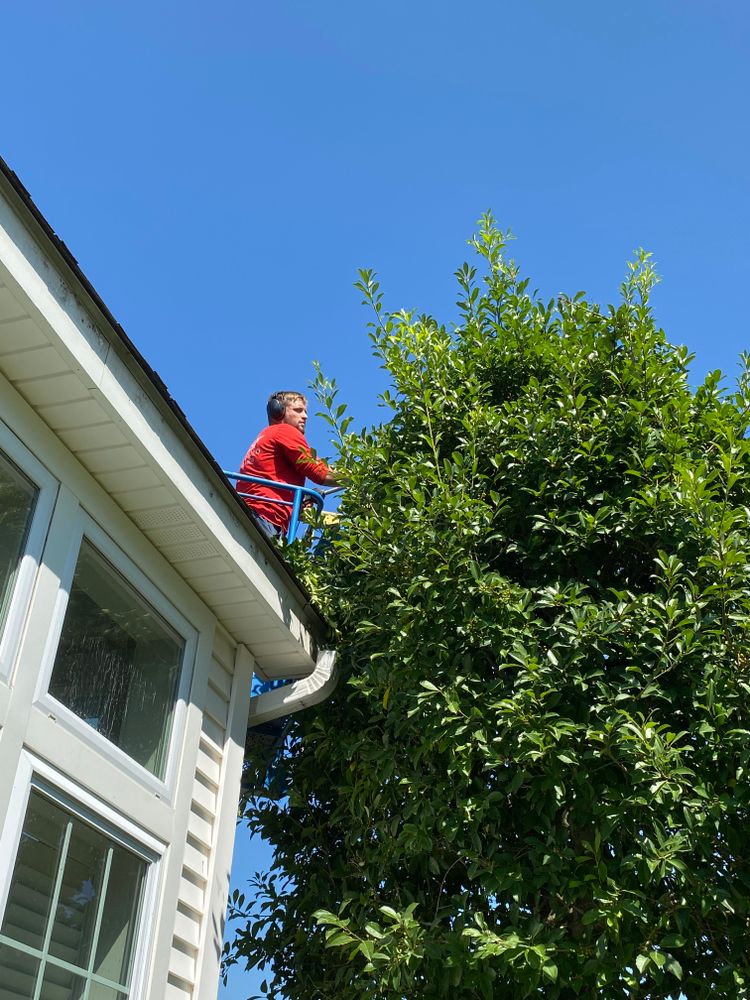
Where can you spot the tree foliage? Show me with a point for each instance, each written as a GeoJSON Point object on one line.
{"type": "Point", "coordinates": [532, 779]}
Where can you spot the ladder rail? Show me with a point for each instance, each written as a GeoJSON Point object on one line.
{"type": "Point", "coordinates": [299, 493]}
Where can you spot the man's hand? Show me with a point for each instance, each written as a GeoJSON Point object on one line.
{"type": "Point", "coordinates": [335, 477]}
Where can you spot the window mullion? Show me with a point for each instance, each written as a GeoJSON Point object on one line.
{"type": "Point", "coordinates": [53, 906]}
{"type": "Point", "coordinates": [98, 922]}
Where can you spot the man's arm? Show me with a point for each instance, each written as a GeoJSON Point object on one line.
{"type": "Point", "coordinates": [332, 478]}
{"type": "Point", "coordinates": [300, 454]}
{"type": "Point", "coordinates": [320, 473]}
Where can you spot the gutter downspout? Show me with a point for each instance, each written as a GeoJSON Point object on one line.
{"type": "Point", "coordinates": [307, 691]}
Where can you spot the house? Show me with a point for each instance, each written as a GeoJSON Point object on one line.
{"type": "Point", "coordinates": [137, 600]}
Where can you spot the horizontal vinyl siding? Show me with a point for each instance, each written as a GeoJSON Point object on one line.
{"type": "Point", "coordinates": [193, 898]}
{"type": "Point", "coordinates": [178, 989]}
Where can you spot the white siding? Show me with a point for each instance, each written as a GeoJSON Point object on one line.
{"type": "Point", "coordinates": [202, 895]}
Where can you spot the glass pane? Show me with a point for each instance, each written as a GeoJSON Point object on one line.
{"type": "Point", "coordinates": [19, 973]}
{"type": "Point", "coordinates": [73, 928]}
{"type": "Point", "coordinates": [99, 992]}
{"type": "Point", "coordinates": [17, 498]}
{"type": "Point", "coordinates": [74, 922]}
{"type": "Point", "coordinates": [121, 904]}
{"type": "Point", "coordinates": [59, 984]}
{"type": "Point", "coordinates": [118, 662]}
{"type": "Point", "coordinates": [27, 912]}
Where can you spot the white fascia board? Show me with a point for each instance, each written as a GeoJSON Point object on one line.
{"type": "Point", "coordinates": [50, 299]}
{"type": "Point", "coordinates": [163, 450]}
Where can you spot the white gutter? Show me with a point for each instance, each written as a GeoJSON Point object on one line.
{"type": "Point", "coordinates": [310, 690]}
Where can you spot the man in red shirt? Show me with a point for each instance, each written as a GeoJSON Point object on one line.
{"type": "Point", "coordinates": [280, 452]}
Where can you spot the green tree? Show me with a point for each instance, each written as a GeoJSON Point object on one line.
{"type": "Point", "coordinates": [532, 779]}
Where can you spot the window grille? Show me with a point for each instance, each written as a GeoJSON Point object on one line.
{"type": "Point", "coordinates": [70, 923]}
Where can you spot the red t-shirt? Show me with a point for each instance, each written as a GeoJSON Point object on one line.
{"type": "Point", "coordinates": [280, 452]}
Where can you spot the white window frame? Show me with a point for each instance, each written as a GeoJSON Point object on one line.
{"type": "Point", "coordinates": [20, 597]}
{"type": "Point", "coordinates": [34, 773]}
{"type": "Point", "coordinates": [85, 526]}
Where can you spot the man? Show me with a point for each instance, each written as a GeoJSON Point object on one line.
{"type": "Point", "coordinates": [281, 452]}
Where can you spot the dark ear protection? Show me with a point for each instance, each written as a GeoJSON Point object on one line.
{"type": "Point", "coordinates": [275, 407]}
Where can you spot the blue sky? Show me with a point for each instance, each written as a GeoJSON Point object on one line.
{"type": "Point", "coordinates": [221, 172]}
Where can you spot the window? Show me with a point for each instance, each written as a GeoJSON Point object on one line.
{"type": "Point", "coordinates": [70, 922]}
{"type": "Point", "coordinates": [17, 500]}
{"type": "Point", "coordinates": [118, 662]}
